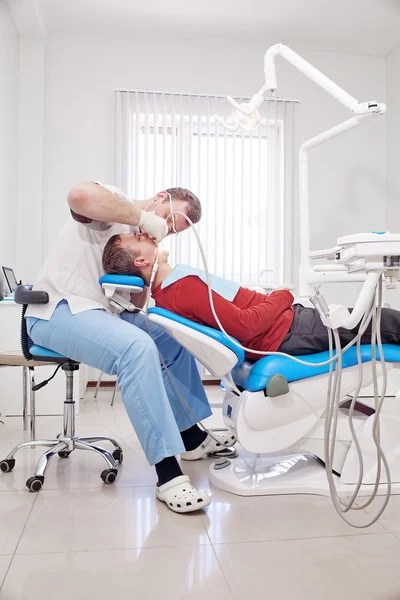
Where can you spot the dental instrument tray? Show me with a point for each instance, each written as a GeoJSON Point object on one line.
{"type": "Point", "coordinates": [364, 252]}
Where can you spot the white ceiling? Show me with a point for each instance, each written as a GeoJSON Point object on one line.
{"type": "Point", "coordinates": [361, 26]}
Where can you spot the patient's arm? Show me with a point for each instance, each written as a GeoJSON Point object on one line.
{"type": "Point", "coordinates": [238, 322]}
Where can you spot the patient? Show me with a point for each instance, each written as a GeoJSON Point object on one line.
{"type": "Point", "coordinates": [266, 322]}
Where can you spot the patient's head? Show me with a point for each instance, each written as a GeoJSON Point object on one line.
{"type": "Point", "coordinates": [130, 254]}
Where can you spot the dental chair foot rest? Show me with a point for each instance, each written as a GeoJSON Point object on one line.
{"type": "Point", "coordinates": [225, 453]}
{"type": "Point", "coordinates": [211, 445]}
{"type": "Point", "coordinates": [181, 497]}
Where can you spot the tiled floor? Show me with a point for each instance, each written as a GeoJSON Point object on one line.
{"type": "Point", "coordinates": [80, 538]}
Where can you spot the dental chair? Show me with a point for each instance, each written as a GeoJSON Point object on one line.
{"type": "Point", "coordinates": [67, 441]}
{"type": "Point", "coordinates": [276, 409]}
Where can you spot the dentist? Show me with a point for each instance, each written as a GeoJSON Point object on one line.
{"type": "Point", "coordinates": [78, 323]}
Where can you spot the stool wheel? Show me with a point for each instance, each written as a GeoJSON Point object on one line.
{"type": "Point", "coordinates": [35, 483]}
{"type": "Point", "coordinates": [118, 455]}
{"type": "Point", "coordinates": [64, 453]}
{"type": "Point", "coordinates": [109, 475]}
{"type": "Point", "coordinates": [7, 465]}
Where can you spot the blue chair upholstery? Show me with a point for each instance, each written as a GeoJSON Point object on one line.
{"type": "Point", "coordinates": [122, 280]}
{"type": "Point", "coordinates": [40, 351]}
{"type": "Point", "coordinates": [262, 370]}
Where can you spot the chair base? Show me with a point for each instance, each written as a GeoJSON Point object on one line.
{"type": "Point", "coordinates": [281, 474]}
{"type": "Point", "coordinates": [63, 445]}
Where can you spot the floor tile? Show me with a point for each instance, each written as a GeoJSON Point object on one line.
{"type": "Point", "coordinates": [152, 573]}
{"type": "Point", "coordinates": [391, 516]}
{"type": "Point", "coordinates": [4, 564]}
{"type": "Point", "coordinates": [14, 511]}
{"type": "Point", "coordinates": [342, 568]}
{"type": "Point", "coordinates": [110, 518]}
{"type": "Point", "coordinates": [232, 518]}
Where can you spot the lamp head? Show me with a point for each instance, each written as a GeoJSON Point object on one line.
{"type": "Point", "coordinates": [247, 122]}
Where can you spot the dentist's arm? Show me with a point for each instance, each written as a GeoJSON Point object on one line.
{"type": "Point", "coordinates": [98, 204]}
{"type": "Point", "coordinates": [94, 202]}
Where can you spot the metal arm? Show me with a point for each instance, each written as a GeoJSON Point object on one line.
{"type": "Point", "coordinates": [317, 77]}
{"type": "Point", "coordinates": [304, 67]}
{"type": "Point", "coordinates": [246, 115]}
{"type": "Point", "coordinates": [362, 111]}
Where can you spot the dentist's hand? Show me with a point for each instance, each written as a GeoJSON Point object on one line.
{"type": "Point", "coordinates": [156, 227]}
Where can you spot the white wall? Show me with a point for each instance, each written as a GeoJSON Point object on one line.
{"type": "Point", "coordinates": [30, 157]}
{"type": "Point", "coordinates": [347, 175]}
{"type": "Point", "coordinates": [9, 60]}
{"type": "Point", "coordinates": [392, 152]}
{"type": "Point", "coordinates": [393, 136]}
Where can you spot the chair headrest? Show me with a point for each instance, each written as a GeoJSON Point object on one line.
{"type": "Point", "coordinates": [130, 280]}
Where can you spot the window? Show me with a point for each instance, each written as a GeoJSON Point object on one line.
{"type": "Point", "coordinates": [243, 179]}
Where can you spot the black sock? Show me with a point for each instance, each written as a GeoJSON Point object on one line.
{"type": "Point", "coordinates": [167, 469]}
{"type": "Point", "coordinates": [193, 437]}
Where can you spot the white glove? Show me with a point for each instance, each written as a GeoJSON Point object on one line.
{"type": "Point", "coordinates": [156, 227]}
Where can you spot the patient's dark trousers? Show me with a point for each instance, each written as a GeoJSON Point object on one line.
{"type": "Point", "coordinates": [308, 334]}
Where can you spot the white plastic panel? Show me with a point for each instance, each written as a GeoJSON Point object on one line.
{"type": "Point", "coordinates": [216, 357]}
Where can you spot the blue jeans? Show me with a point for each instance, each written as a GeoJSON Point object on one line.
{"type": "Point", "coordinates": [124, 348]}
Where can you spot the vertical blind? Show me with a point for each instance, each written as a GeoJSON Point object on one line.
{"type": "Point", "coordinates": [245, 180]}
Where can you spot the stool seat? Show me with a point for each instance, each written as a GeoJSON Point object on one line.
{"type": "Point", "coordinates": [40, 351]}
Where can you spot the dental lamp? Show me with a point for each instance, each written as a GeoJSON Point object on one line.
{"type": "Point", "coordinates": [247, 116]}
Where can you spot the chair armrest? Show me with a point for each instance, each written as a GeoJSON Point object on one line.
{"type": "Point", "coordinates": [24, 294]}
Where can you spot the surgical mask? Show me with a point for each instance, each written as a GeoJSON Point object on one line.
{"type": "Point", "coordinates": [170, 214]}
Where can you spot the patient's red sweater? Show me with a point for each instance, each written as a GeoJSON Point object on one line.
{"type": "Point", "coordinates": [257, 321]}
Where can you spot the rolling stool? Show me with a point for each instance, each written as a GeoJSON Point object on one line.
{"type": "Point", "coordinates": [66, 442]}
